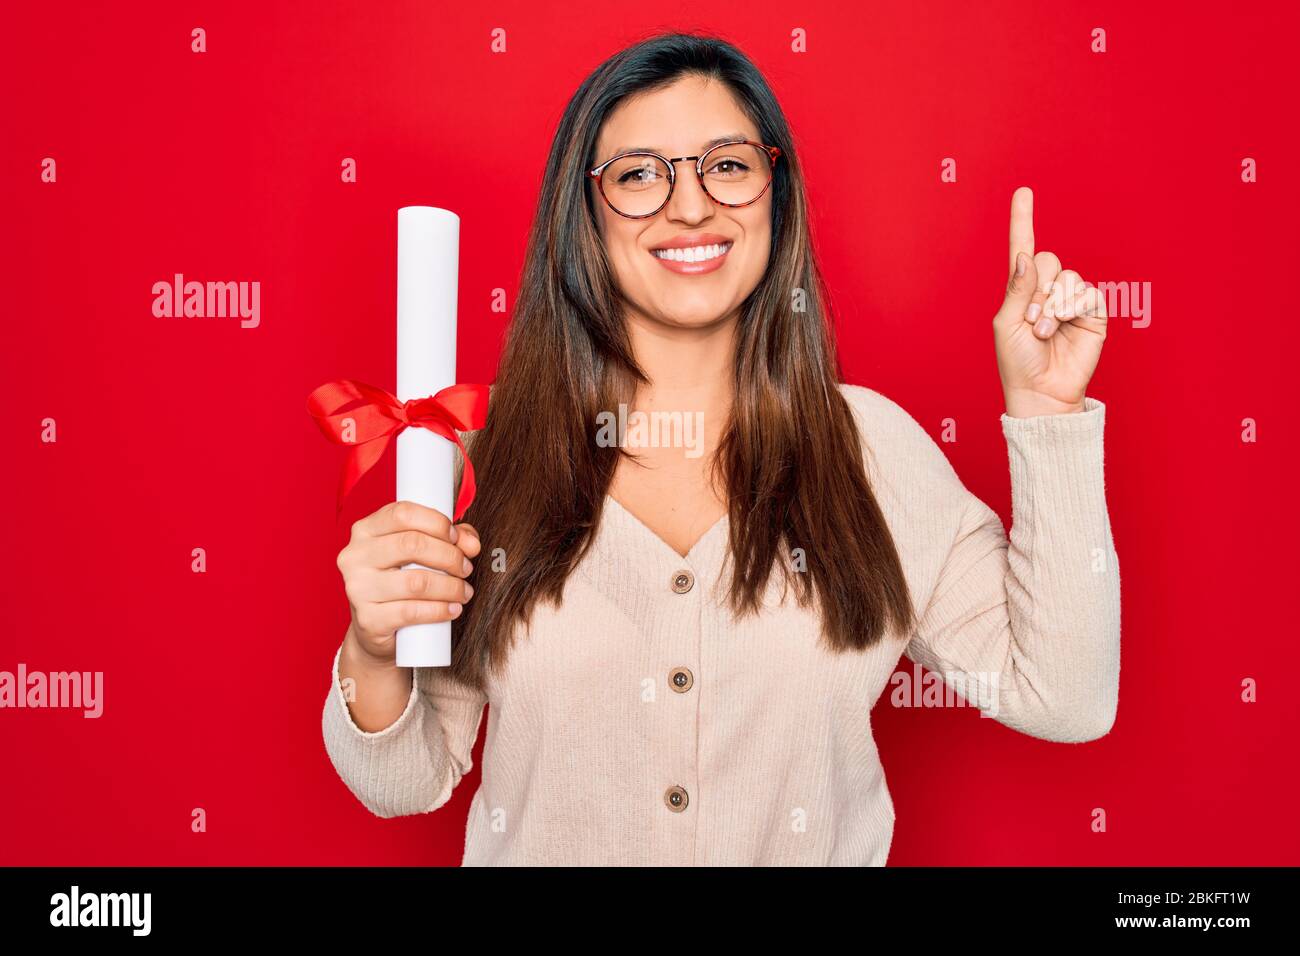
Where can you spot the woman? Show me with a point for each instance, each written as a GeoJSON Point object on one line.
{"type": "Point", "coordinates": [682, 641]}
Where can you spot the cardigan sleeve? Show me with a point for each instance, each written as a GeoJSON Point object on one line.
{"type": "Point", "coordinates": [1028, 628]}
{"type": "Point", "coordinates": [413, 765]}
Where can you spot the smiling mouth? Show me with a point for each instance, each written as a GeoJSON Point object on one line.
{"type": "Point", "coordinates": [693, 254]}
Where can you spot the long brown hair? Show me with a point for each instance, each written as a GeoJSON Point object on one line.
{"type": "Point", "coordinates": [790, 454]}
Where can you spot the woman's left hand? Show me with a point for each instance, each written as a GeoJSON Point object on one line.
{"type": "Point", "coordinates": [1049, 331]}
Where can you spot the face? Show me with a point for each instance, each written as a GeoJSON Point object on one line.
{"type": "Point", "coordinates": [680, 120]}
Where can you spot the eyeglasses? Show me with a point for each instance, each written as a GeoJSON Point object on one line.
{"type": "Point", "coordinates": [638, 184]}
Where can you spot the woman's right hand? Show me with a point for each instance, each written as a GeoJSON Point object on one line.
{"type": "Point", "coordinates": [383, 595]}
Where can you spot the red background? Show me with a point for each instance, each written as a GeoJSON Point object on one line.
{"type": "Point", "coordinates": [183, 433]}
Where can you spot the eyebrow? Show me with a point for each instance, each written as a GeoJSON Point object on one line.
{"type": "Point", "coordinates": [725, 138]}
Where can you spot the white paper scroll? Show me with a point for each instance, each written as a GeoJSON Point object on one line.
{"type": "Point", "coordinates": [428, 253]}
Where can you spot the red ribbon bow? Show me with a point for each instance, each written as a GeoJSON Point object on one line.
{"type": "Point", "coordinates": [375, 423]}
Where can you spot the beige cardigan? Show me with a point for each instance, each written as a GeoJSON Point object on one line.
{"type": "Point", "coordinates": [642, 724]}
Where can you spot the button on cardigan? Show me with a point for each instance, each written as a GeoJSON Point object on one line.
{"type": "Point", "coordinates": [641, 723]}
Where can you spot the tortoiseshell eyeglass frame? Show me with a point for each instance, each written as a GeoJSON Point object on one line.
{"type": "Point", "coordinates": [772, 151]}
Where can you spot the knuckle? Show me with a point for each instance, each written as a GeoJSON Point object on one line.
{"type": "Point", "coordinates": [411, 543]}
{"type": "Point", "coordinates": [366, 620]}
{"type": "Point", "coordinates": [411, 612]}
{"type": "Point", "coordinates": [403, 513]}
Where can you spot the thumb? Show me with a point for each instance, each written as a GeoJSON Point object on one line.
{"type": "Point", "coordinates": [1020, 288]}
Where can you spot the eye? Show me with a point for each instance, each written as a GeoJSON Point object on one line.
{"type": "Point", "coordinates": [728, 167]}
{"type": "Point", "coordinates": [639, 175]}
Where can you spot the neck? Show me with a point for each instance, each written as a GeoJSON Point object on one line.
{"type": "Point", "coordinates": [690, 369]}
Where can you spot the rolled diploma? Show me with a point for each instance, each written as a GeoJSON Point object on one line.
{"type": "Point", "coordinates": [428, 252]}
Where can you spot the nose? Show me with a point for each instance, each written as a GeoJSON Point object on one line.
{"type": "Point", "coordinates": [689, 202]}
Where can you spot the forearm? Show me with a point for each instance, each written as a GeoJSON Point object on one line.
{"type": "Point", "coordinates": [401, 747]}
{"type": "Point", "coordinates": [1034, 621]}
{"type": "Point", "coordinates": [380, 689]}
{"type": "Point", "coordinates": [1063, 580]}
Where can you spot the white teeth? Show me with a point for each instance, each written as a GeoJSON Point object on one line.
{"type": "Point", "coordinates": [693, 253]}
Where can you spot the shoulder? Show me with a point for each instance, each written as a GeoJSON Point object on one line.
{"type": "Point", "coordinates": [872, 408]}
{"type": "Point", "coordinates": [919, 493]}
{"type": "Point", "coordinates": [894, 442]}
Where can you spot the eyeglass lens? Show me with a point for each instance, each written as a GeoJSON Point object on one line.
{"type": "Point", "coordinates": [735, 173]}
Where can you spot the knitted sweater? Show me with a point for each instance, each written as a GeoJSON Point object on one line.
{"type": "Point", "coordinates": [641, 723]}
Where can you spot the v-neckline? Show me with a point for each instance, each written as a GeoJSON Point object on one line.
{"type": "Point", "coordinates": [661, 543]}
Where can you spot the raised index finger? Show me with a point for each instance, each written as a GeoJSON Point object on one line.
{"type": "Point", "coordinates": [1022, 224]}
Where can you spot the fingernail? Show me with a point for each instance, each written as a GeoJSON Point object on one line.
{"type": "Point", "coordinates": [454, 535]}
{"type": "Point", "coordinates": [1035, 309]}
{"type": "Point", "coordinates": [468, 567]}
{"type": "Point", "coordinates": [453, 610]}
{"type": "Point", "coordinates": [1043, 327]}
{"type": "Point", "coordinates": [1020, 263]}
{"type": "Point", "coordinates": [469, 590]}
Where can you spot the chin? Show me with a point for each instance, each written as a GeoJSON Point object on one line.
{"type": "Point", "coordinates": [693, 310]}
{"type": "Point", "coordinates": [693, 319]}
